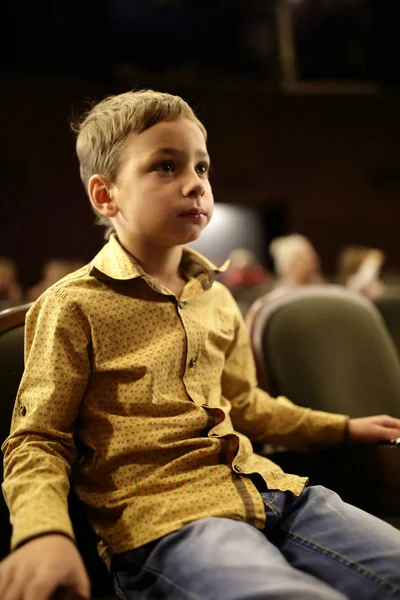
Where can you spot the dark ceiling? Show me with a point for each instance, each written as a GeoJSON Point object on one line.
{"type": "Point", "coordinates": [334, 39]}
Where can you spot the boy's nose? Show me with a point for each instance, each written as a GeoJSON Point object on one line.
{"type": "Point", "coordinates": [193, 186]}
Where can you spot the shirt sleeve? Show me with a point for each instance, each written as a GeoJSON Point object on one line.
{"type": "Point", "coordinates": [40, 450]}
{"type": "Point", "coordinates": [270, 420]}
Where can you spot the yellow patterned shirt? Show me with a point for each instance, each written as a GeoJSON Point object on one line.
{"type": "Point", "coordinates": [149, 403]}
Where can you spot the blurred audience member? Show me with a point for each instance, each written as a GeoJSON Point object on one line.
{"type": "Point", "coordinates": [10, 290]}
{"type": "Point", "coordinates": [244, 269]}
{"type": "Point", "coordinates": [246, 278]}
{"type": "Point", "coordinates": [296, 261]}
{"type": "Point", "coordinates": [52, 271]}
{"type": "Point", "coordinates": [359, 270]}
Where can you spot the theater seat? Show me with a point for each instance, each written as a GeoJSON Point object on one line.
{"type": "Point", "coordinates": [12, 323]}
{"type": "Point", "coordinates": [327, 348]}
{"type": "Point", "coordinates": [389, 308]}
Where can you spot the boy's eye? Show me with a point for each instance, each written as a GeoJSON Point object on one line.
{"type": "Point", "coordinates": [166, 166]}
{"type": "Point", "coordinates": [202, 168]}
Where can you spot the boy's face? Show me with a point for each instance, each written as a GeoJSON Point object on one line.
{"type": "Point", "coordinates": [162, 191]}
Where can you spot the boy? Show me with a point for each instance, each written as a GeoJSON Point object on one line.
{"type": "Point", "coordinates": [144, 361]}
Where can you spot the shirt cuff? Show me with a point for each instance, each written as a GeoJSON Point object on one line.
{"type": "Point", "coordinates": [328, 428]}
{"type": "Point", "coordinates": [30, 525]}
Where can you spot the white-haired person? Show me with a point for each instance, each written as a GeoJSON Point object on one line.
{"type": "Point", "coordinates": [296, 261]}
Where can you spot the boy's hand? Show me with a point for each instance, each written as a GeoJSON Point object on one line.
{"type": "Point", "coordinates": [37, 569]}
{"type": "Point", "coordinates": [373, 429]}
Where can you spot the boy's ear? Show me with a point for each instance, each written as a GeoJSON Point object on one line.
{"type": "Point", "coordinates": [99, 189]}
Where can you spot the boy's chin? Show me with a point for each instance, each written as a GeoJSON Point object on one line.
{"type": "Point", "coordinates": [192, 238]}
{"type": "Point", "coordinates": [187, 238]}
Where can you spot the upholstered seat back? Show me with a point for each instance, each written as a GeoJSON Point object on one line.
{"type": "Point", "coordinates": [326, 348]}
{"type": "Point", "coordinates": [389, 308]}
{"type": "Point", "coordinates": [11, 369]}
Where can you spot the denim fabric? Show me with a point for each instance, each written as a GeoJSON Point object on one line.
{"type": "Point", "coordinates": [313, 547]}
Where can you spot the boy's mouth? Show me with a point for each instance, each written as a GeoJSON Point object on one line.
{"type": "Point", "coordinates": [194, 213]}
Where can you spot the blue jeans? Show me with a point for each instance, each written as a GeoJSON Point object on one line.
{"type": "Point", "coordinates": [313, 547]}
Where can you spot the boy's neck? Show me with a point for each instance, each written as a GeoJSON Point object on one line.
{"type": "Point", "coordinates": [161, 263]}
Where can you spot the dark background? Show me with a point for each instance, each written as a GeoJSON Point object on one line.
{"type": "Point", "coordinates": [314, 143]}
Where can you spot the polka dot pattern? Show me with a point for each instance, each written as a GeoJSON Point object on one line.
{"type": "Point", "coordinates": [139, 398]}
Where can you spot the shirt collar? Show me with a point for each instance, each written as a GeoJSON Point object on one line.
{"type": "Point", "coordinates": [114, 262]}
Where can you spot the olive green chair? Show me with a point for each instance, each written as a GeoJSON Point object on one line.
{"type": "Point", "coordinates": [389, 308]}
{"type": "Point", "coordinates": [12, 323]}
{"type": "Point", "coordinates": [327, 348]}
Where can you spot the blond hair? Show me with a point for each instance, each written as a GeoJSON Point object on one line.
{"type": "Point", "coordinates": [349, 261]}
{"type": "Point", "coordinates": [104, 131]}
{"type": "Point", "coordinates": [283, 249]}
{"type": "Point", "coordinates": [357, 266]}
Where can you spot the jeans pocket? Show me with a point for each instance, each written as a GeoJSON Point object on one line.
{"type": "Point", "coordinates": [129, 572]}
{"type": "Point", "coordinates": [117, 586]}
{"type": "Point", "coordinates": [274, 505]}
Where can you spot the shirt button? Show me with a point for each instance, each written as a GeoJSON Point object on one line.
{"type": "Point", "coordinates": [192, 363]}
{"type": "Point", "coordinates": [237, 469]}
{"type": "Point", "coordinates": [22, 411]}
{"type": "Point", "coordinates": [182, 305]}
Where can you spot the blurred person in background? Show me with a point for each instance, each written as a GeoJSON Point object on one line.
{"type": "Point", "coordinates": [296, 261]}
{"type": "Point", "coordinates": [52, 271]}
{"type": "Point", "coordinates": [246, 277]}
{"type": "Point", "coordinates": [244, 270]}
{"type": "Point", "coordinates": [10, 289]}
{"type": "Point", "coordinates": [359, 269]}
